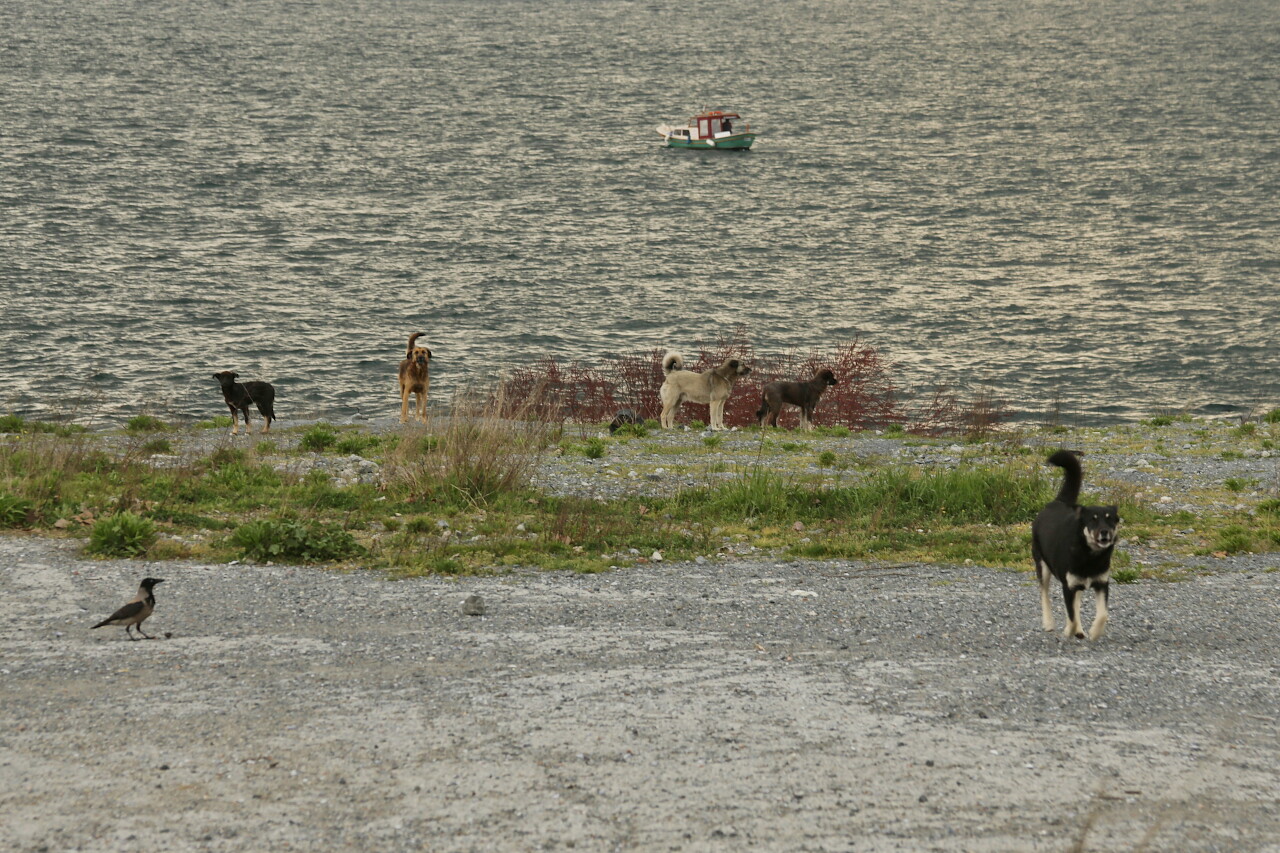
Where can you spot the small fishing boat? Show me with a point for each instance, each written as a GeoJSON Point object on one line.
{"type": "Point", "coordinates": [710, 129]}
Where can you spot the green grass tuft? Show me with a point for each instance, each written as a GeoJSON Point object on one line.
{"type": "Point", "coordinates": [318, 438]}
{"type": "Point", "coordinates": [145, 423]}
{"type": "Point", "coordinates": [292, 540]}
{"type": "Point", "coordinates": [14, 511]}
{"type": "Point", "coordinates": [121, 535]}
{"type": "Point", "coordinates": [157, 445]}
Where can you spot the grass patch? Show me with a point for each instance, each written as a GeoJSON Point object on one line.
{"type": "Point", "coordinates": [14, 511]}
{"type": "Point", "coordinates": [318, 438]}
{"type": "Point", "coordinates": [357, 444]}
{"type": "Point", "coordinates": [18, 424]}
{"type": "Point", "coordinates": [1233, 539]}
{"type": "Point", "coordinates": [291, 540]}
{"type": "Point", "coordinates": [121, 535]}
{"type": "Point", "coordinates": [145, 423]}
{"type": "Point", "coordinates": [632, 430]}
{"type": "Point", "coordinates": [456, 498]}
{"type": "Point", "coordinates": [157, 445]}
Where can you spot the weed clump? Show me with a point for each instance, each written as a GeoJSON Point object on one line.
{"type": "Point", "coordinates": [122, 535]}
{"type": "Point", "coordinates": [157, 445]}
{"type": "Point", "coordinates": [145, 423]}
{"type": "Point", "coordinates": [318, 439]}
{"type": "Point", "coordinates": [1125, 575]}
{"type": "Point", "coordinates": [292, 540]}
{"type": "Point", "coordinates": [1234, 539]}
{"type": "Point", "coordinates": [14, 511]}
{"type": "Point", "coordinates": [357, 444]}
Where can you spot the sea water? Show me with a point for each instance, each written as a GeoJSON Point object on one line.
{"type": "Point", "coordinates": [1069, 204]}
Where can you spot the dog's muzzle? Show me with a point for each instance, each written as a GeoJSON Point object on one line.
{"type": "Point", "coordinates": [1100, 538]}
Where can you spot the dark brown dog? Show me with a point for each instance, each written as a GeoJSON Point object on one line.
{"type": "Point", "coordinates": [802, 394]}
{"type": "Point", "coordinates": [238, 396]}
{"type": "Point", "coordinates": [415, 378]}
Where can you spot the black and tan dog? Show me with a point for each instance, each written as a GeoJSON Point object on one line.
{"type": "Point", "coordinates": [415, 378]}
{"type": "Point", "coordinates": [803, 394]}
{"type": "Point", "coordinates": [710, 387]}
{"type": "Point", "coordinates": [239, 396]}
{"type": "Point", "coordinates": [1074, 544]}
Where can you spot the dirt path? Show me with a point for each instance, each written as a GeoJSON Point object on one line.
{"type": "Point", "coordinates": [721, 706]}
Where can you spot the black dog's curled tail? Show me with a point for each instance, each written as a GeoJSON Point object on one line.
{"type": "Point", "coordinates": [1072, 476]}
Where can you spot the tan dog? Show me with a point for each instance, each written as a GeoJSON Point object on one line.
{"type": "Point", "coordinates": [711, 387]}
{"type": "Point", "coordinates": [415, 378]}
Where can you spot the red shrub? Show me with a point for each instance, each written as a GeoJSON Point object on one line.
{"type": "Point", "coordinates": [637, 379]}
{"type": "Point", "coordinates": [546, 391]}
{"type": "Point", "coordinates": [865, 398]}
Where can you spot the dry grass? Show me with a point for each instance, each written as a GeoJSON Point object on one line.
{"type": "Point", "coordinates": [482, 450]}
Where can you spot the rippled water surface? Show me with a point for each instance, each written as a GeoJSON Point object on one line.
{"type": "Point", "coordinates": [1072, 202]}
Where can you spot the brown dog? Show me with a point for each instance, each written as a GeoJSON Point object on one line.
{"type": "Point", "coordinates": [802, 394]}
{"type": "Point", "coordinates": [415, 378]}
{"type": "Point", "coordinates": [711, 387]}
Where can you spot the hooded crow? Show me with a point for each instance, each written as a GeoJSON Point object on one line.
{"type": "Point", "coordinates": [136, 611]}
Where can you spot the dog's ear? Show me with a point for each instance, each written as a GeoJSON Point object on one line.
{"type": "Point", "coordinates": [428, 349]}
{"type": "Point", "coordinates": [1079, 512]}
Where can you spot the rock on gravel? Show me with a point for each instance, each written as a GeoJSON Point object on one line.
{"type": "Point", "coordinates": [672, 706]}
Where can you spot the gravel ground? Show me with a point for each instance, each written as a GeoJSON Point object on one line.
{"type": "Point", "coordinates": [725, 705]}
{"type": "Point", "coordinates": [720, 706]}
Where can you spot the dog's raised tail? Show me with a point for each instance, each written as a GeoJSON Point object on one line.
{"type": "Point", "coordinates": [412, 338]}
{"type": "Point", "coordinates": [672, 361]}
{"type": "Point", "coordinates": [1072, 476]}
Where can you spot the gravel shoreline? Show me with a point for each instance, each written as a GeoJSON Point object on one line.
{"type": "Point", "coordinates": [739, 703]}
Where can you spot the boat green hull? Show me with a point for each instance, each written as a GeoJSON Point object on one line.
{"type": "Point", "coordinates": [738, 140]}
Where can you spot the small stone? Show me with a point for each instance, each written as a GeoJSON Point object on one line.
{"type": "Point", "coordinates": [473, 605]}
{"type": "Point", "coordinates": [656, 556]}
